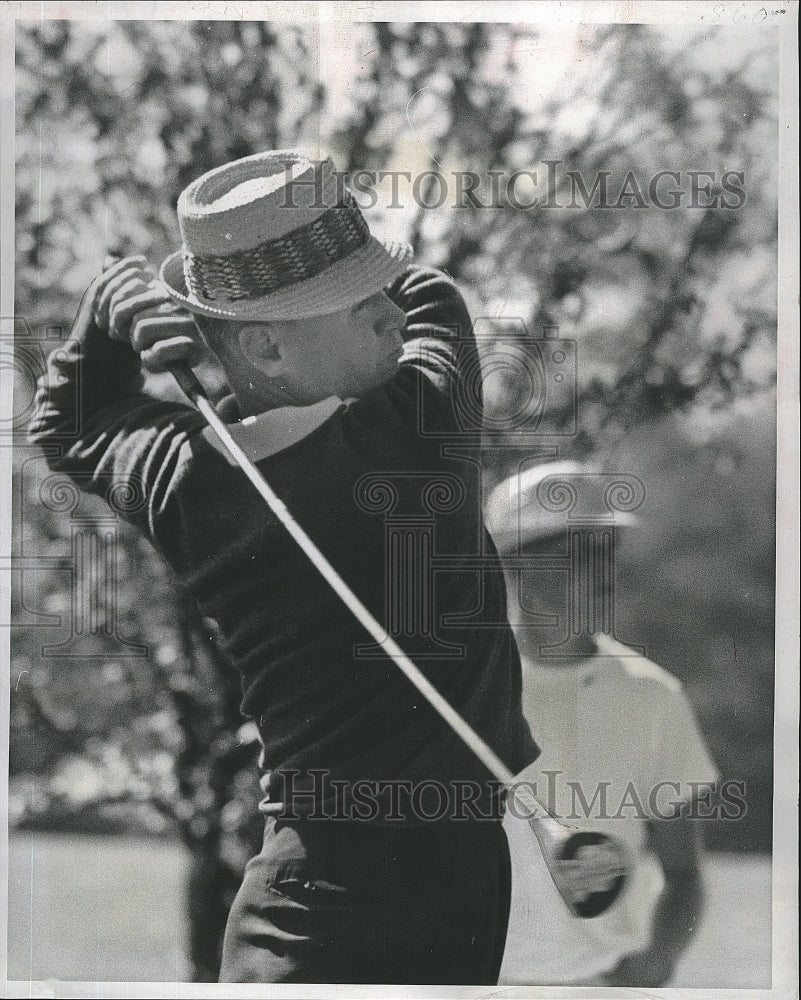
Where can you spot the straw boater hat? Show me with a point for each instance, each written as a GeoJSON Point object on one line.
{"type": "Point", "coordinates": [275, 236]}
{"type": "Point", "coordinates": [516, 516]}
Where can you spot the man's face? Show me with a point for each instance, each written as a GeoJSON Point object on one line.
{"type": "Point", "coordinates": [344, 353]}
{"type": "Point", "coordinates": [537, 598]}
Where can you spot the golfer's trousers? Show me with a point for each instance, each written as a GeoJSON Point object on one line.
{"type": "Point", "coordinates": [349, 902]}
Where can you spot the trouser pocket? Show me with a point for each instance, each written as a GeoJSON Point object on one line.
{"type": "Point", "coordinates": [313, 868]}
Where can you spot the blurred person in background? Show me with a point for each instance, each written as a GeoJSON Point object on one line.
{"type": "Point", "coordinates": [331, 343]}
{"type": "Point", "coordinates": [621, 753]}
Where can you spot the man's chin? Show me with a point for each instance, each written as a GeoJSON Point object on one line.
{"type": "Point", "coordinates": [383, 374]}
{"type": "Point", "coordinates": [386, 372]}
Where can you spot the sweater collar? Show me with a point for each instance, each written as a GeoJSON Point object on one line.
{"type": "Point", "coordinates": [275, 430]}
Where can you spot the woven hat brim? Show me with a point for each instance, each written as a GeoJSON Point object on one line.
{"type": "Point", "coordinates": [363, 273]}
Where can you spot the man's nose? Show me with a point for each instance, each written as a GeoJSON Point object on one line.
{"type": "Point", "coordinates": [390, 317]}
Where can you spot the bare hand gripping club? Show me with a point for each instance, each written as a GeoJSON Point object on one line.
{"type": "Point", "coordinates": [588, 868]}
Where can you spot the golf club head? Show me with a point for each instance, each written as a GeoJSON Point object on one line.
{"type": "Point", "coordinates": [589, 869]}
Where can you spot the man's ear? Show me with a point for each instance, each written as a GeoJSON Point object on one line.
{"type": "Point", "coordinates": [260, 347]}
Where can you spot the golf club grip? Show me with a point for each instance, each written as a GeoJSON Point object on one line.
{"type": "Point", "coordinates": [189, 383]}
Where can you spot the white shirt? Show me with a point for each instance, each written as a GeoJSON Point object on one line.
{"type": "Point", "coordinates": [616, 726]}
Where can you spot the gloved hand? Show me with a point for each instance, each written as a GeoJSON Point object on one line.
{"type": "Point", "coordinates": [132, 306]}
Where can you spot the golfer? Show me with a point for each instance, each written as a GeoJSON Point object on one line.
{"type": "Point", "coordinates": [344, 362]}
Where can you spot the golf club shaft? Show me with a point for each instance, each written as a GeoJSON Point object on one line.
{"type": "Point", "coordinates": [549, 831]}
{"type": "Point", "coordinates": [193, 389]}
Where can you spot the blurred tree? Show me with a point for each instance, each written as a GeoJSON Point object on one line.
{"type": "Point", "coordinates": [669, 306]}
{"type": "Point", "coordinates": [130, 116]}
{"type": "Point", "coordinates": [672, 309]}
{"type": "Point", "coordinates": [672, 312]}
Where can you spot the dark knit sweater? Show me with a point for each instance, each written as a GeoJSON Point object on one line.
{"type": "Point", "coordinates": [319, 701]}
